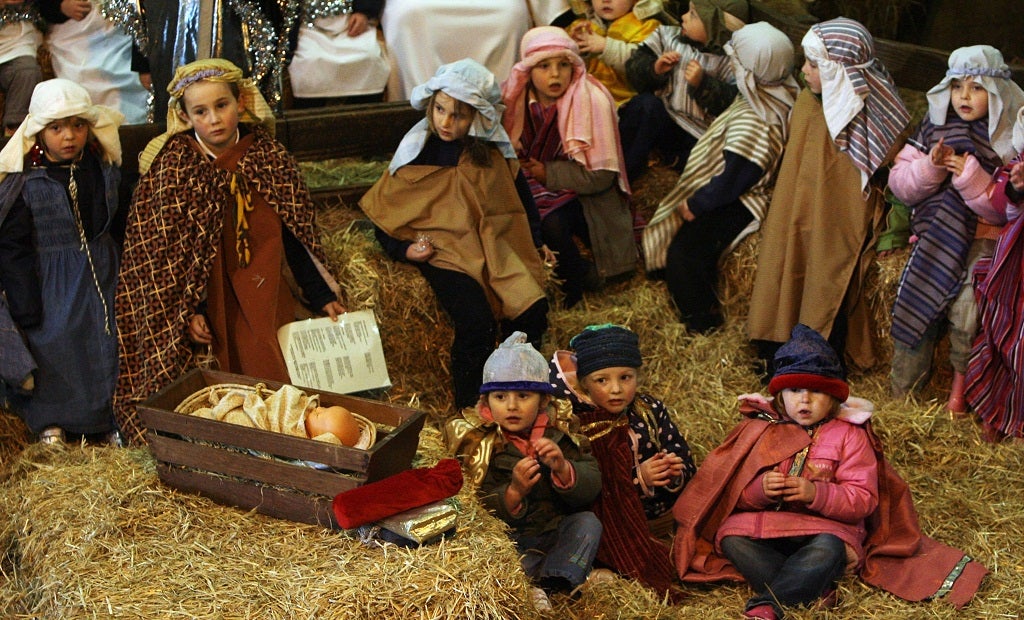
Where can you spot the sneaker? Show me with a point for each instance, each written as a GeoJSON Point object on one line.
{"type": "Point", "coordinates": [52, 435]}
{"type": "Point", "coordinates": [764, 612]}
{"type": "Point", "coordinates": [540, 601]}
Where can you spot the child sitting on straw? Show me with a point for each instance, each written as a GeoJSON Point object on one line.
{"type": "Point", "coordinates": [645, 461]}
{"type": "Point", "coordinates": [800, 493]}
{"type": "Point", "coordinates": [532, 473]}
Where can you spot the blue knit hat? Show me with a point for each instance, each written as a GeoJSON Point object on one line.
{"type": "Point", "coordinates": [516, 365]}
{"type": "Point", "coordinates": [808, 362]}
{"type": "Point", "coordinates": [605, 346]}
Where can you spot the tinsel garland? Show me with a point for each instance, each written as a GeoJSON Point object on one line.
{"type": "Point", "coordinates": [25, 12]}
{"type": "Point", "coordinates": [127, 15]}
{"type": "Point", "coordinates": [315, 9]}
{"type": "Point", "coordinates": [267, 45]}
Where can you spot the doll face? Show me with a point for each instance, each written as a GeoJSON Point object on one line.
{"type": "Point", "coordinates": [64, 139]}
{"type": "Point", "coordinates": [611, 10]}
{"type": "Point", "coordinates": [450, 118]}
{"type": "Point", "coordinates": [213, 109]}
{"type": "Point", "coordinates": [550, 78]}
{"type": "Point", "coordinates": [516, 411]}
{"type": "Point", "coordinates": [693, 25]}
{"type": "Point", "coordinates": [968, 98]}
{"type": "Point", "coordinates": [811, 76]}
{"type": "Point", "coordinates": [612, 389]}
{"type": "Point", "coordinates": [807, 407]}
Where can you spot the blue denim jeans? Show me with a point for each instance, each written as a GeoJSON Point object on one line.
{"type": "Point", "coordinates": [561, 559]}
{"type": "Point", "coordinates": [787, 571]}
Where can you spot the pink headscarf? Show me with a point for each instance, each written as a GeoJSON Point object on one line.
{"type": "Point", "coordinates": [587, 120]}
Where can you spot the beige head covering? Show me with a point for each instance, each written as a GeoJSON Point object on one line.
{"type": "Point", "coordinates": [53, 100]}
{"type": "Point", "coordinates": [762, 59]}
{"type": "Point", "coordinates": [1018, 131]}
{"type": "Point", "coordinates": [255, 108]}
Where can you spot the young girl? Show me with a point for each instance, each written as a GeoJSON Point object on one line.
{"type": "Point", "coordinates": [831, 188]}
{"type": "Point", "coordinates": [60, 230]}
{"type": "Point", "coordinates": [723, 193]}
{"type": "Point", "coordinates": [454, 204]}
{"type": "Point", "coordinates": [799, 493]}
{"type": "Point", "coordinates": [221, 222]}
{"type": "Point", "coordinates": [683, 81]}
{"type": "Point", "coordinates": [531, 472]}
{"type": "Point", "coordinates": [942, 173]}
{"type": "Point", "coordinates": [645, 461]}
{"type": "Point", "coordinates": [995, 372]}
{"type": "Point", "coordinates": [562, 122]}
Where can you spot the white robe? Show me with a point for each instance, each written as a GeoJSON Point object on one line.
{"type": "Point", "coordinates": [329, 63]}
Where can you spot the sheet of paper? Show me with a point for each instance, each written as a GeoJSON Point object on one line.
{"type": "Point", "coordinates": [343, 357]}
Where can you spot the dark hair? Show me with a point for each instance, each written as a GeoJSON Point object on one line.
{"type": "Point", "coordinates": [479, 150]}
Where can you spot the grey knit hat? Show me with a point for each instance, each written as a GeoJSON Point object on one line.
{"type": "Point", "coordinates": [516, 365]}
{"type": "Point", "coordinates": [605, 346]}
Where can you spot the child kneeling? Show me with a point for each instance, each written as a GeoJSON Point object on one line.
{"type": "Point", "coordinates": [531, 473]}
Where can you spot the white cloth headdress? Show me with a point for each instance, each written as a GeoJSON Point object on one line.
{"type": "Point", "coordinates": [762, 59]}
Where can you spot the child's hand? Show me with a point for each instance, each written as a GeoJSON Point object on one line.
{"type": "Point", "coordinates": [955, 164]}
{"type": "Point", "coordinates": [72, 9]}
{"type": "Point", "coordinates": [535, 169]}
{"type": "Point", "coordinates": [548, 256]}
{"type": "Point", "coordinates": [1017, 176]}
{"type": "Point", "coordinates": [661, 469]}
{"type": "Point", "coordinates": [590, 43]}
{"type": "Point", "coordinates": [797, 489]}
{"type": "Point", "coordinates": [199, 330]}
{"type": "Point", "coordinates": [333, 309]}
{"type": "Point", "coordinates": [666, 62]}
{"type": "Point", "coordinates": [420, 252]}
{"type": "Point", "coordinates": [684, 211]}
{"type": "Point", "coordinates": [772, 483]}
{"type": "Point", "coordinates": [939, 153]}
{"type": "Point", "coordinates": [550, 454]}
{"type": "Point", "coordinates": [357, 23]}
{"type": "Point", "coordinates": [694, 73]}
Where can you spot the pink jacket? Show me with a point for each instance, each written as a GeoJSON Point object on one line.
{"type": "Point", "coordinates": [997, 191]}
{"type": "Point", "coordinates": [913, 178]}
{"type": "Point", "coordinates": [842, 464]}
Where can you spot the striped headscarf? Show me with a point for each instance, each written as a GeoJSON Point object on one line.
{"type": "Point", "coordinates": [863, 110]}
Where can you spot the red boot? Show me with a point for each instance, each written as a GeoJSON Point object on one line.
{"type": "Point", "coordinates": [957, 405]}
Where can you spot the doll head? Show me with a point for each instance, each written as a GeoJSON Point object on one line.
{"type": "Point", "coordinates": [809, 377]}
{"type": "Point", "coordinates": [515, 388]}
{"type": "Point", "coordinates": [336, 420]}
{"type": "Point", "coordinates": [712, 22]}
{"type": "Point", "coordinates": [608, 364]}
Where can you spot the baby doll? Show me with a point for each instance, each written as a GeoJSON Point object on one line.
{"type": "Point", "coordinates": [943, 174]}
{"type": "Point", "coordinates": [532, 474]}
{"type": "Point", "coordinates": [60, 229]}
{"type": "Point", "coordinates": [607, 33]}
{"type": "Point", "coordinates": [683, 80]}
{"type": "Point", "coordinates": [799, 494]}
{"type": "Point", "coordinates": [645, 461]}
{"type": "Point", "coordinates": [995, 370]}
{"type": "Point", "coordinates": [562, 122]}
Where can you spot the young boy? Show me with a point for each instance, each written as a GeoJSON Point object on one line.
{"type": "Point", "coordinates": [683, 81]}
{"type": "Point", "coordinates": [799, 494]}
{"type": "Point", "coordinates": [531, 472]}
{"type": "Point", "coordinates": [220, 222]}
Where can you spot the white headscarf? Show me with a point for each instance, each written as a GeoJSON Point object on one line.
{"type": "Point", "coordinates": [1018, 131]}
{"type": "Point", "coordinates": [985, 64]}
{"type": "Point", "coordinates": [53, 100]}
{"type": "Point", "coordinates": [471, 83]}
{"type": "Point", "coordinates": [762, 59]}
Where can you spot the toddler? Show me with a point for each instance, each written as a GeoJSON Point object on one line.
{"type": "Point", "coordinates": [60, 235]}
{"type": "Point", "coordinates": [943, 173]}
{"type": "Point", "coordinates": [531, 473]}
{"type": "Point", "coordinates": [562, 122]}
{"type": "Point", "coordinates": [645, 461]}
{"type": "Point", "coordinates": [683, 81]}
{"type": "Point", "coordinates": [799, 494]}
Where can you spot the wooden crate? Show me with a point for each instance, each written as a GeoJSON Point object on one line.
{"type": "Point", "coordinates": [262, 470]}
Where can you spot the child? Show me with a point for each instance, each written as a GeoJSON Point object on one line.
{"type": "Point", "coordinates": [830, 188]}
{"type": "Point", "coordinates": [683, 80]}
{"type": "Point", "coordinates": [20, 38]}
{"type": "Point", "coordinates": [454, 204]}
{"type": "Point", "coordinates": [59, 242]}
{"type": "Point", "coordinates": [799, 493]}
{"type": "Point", "coordinates": [91, 45]}
{"type": "Point", "coordinates": [942, 173]}
{"type": "Point", "coordinates": [608, 33]}
{"type": "Point", "coordinates": [723, 193]}
{"type": "Point", "coordinates": [338, 57]}
{"type": "Point", "coordinates": [562, 122]}
{"type": "Point", "coordinates": [221, 222]}
{"type": "Point", "coordinates": [644, 459]}
{"type": "Point", "coordinates": [531, 472]}
{"type": "Point", "coordinates": [995, 370]}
